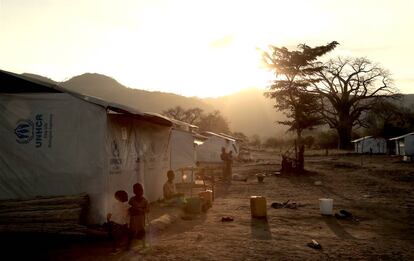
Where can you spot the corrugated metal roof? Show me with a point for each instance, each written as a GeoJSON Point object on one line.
{"type": "Point", "coordinates": [363, 138]}
{"type": "Point", "coordinates": [402, 136]}
{"type": "Point", "coordinates": [17, 83]}
{"type": "Point", "coordinates": [182, 123]}
{"type": "Point", "coordinates": [229, 136]}
{"type": "Point", "coordinates": [209, 133]}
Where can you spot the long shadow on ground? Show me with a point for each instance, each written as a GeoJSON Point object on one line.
{"type": "Point", "coordinates": [260, 229]}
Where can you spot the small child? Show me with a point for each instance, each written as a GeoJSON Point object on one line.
{"type": "Point", "coordinates": [118, 219]}
{"type": "Point", "coordinates": [171, 197]}
{"type": "Point", "coordinates": [138, 210]}
{"type": "Point", "coordinates": [169, 189]}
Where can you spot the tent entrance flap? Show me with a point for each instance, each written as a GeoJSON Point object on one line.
{"type": "Point", "coordinates": [137, 151]}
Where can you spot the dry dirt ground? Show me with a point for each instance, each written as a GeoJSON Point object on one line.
{"type": "Point", "coordinates": [377, 190]}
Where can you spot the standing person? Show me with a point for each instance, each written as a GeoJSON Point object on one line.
{"type": "Point", "coordinates": [229, 163]}
{"type": "Point", "coordinates": [138, 211]}
{"type": "Point", "coordinates": [117, 219]}
{"type": "Point", "coordinates": [224, 157]}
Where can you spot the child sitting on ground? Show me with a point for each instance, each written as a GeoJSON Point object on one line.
{"type": "Point", "coordinates": [138, 211]}
{"type": "Point", "coordinates": [118, 219]}
{"type": "Point", "coordinates": [169, 187]}
{"type": "Point", "coordinates": [171, 197]}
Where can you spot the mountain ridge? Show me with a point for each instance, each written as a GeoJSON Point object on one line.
{"type": "Point", "coordinates": [247, 111]}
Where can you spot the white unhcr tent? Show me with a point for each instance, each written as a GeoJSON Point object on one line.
{"type": "Point", "coordinates": [210, 150]}
{"type": "Point", "coordinates": [235, 144]}
{"type": "Point", "coordinates": [59, 143]}
{"type": "Point", "coordinates": [182, 150]}
{"type": "Point", "coordinates": [404, 145]}
{"type": "Point", "coordinates": [369, 144]}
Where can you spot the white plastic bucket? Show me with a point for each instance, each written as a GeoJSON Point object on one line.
{"type": "Point", "coordinates": [326, 206]}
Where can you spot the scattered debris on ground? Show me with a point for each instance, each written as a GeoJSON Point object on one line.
{"type": "Point", "coordinates": [238, 177]}
{"type": "Point", "coordinates": [287, 204]}
{"type": "Point", "coordinates": [227, 219]}
{"type": "Point", "coordinates": [314, 244]}
{"type": "Point", "coordinates": [372, 194]}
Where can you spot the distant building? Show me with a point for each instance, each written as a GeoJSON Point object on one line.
{"type": "Point", "coordinates": [370, 144]}
{"type": "Point", "coordinates": [404, 145]}
{"type": "Point", "coordinates": [210, 150]}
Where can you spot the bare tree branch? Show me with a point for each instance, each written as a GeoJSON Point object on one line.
{"type": "Point", "coordinates": [352, 86]}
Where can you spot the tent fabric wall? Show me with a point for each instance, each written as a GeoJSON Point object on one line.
{"type": "Point", "coordinates": [404, 145]}
{"type": "Point", "coordinates": [409, 145]}
{"type": "Point", "coordinates": [182, 149]}
{"type": "Point", "coordinates": [57, 144]}
{"type": "Point", "coordinates": [52, 144]}
{"type": "Point", "coordinates": [154, 149]}
{"type": "Point", "coordinates": [210, 150]}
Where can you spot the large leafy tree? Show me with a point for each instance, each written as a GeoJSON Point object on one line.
{"type": "Point", "coordinates": [292, 70]}
{"type": "Point", "coordinates": [192, 115]}
{"type": "Point", "coordinates": [387, 119]}
{"type": "Point", "coordinates": [177, 113]}
{"type": "Point", "coordinates": [240, 135]}
{"type": "Point", "coordinates": [301, 108]}
{"type": "Point", "coordinates": [213, 121]}
{"type": "Point", "coordinates": [348, 88]}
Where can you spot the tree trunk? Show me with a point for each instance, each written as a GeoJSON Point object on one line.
{"type": "Point", "coordinates": [301, 159]}
{"type": "Point", "coordinates": [300, 156]}
{"type": "Point", "coordinates": [299, 137]}
{"type": "Point", "coordinates": [344, 135]}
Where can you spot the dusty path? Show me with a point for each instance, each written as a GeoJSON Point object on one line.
{"type": "Point", "coordinates": [379, 193]}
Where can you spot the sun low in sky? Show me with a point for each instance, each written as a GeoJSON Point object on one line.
{"type": "Point", "coordinates": [196, 48]}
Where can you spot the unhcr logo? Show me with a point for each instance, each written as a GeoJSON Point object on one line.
{"type": "Point", "coordinates": [40, 129]}
{"type": "Point", "coordinates": [24, 131]}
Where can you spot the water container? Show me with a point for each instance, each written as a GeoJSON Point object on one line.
{"type": "Point", "coordinates": [258, 206]}
{"type": "Point", "coordinates": [207, 196]}
{"type": "Point", "coordinates": [260, 178]}
{"type": "Point", "coordinates": [326, 206]}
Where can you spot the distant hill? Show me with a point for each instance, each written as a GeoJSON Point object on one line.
{"type": "Point", "coordinates": [109, 89]}
{"type": "Point", "coordinates": [408, 100]}
{"type": "Point", "coordinates": [250, 112]}
{"type": "Point", "coordinates": [247, 111]}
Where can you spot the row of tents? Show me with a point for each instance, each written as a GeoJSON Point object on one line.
{"type": "Point", "coordinates": [57, 142]}
{"type": "Point", "coordinates": [402, 145]}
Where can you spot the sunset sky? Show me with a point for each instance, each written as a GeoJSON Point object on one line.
{"type": "Point", "coordinates": [197, 48]}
